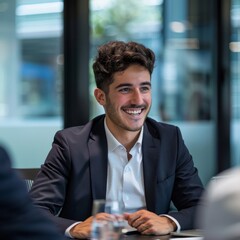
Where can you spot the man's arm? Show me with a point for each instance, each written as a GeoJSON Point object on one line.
{"type": "Point", "coordinates": [49, 188]}
{"type": "Point", "coordinates": [62, 187]}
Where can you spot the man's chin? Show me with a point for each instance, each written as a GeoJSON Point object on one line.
{"type": "Point", "coordinates": [135, 127]}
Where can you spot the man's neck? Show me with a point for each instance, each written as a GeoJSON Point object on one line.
{"type": "Point", "coordinates": [125, 137]}
{"type": "Point", "coordinates": [128, 139]}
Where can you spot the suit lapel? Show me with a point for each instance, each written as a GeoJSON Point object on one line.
{"type": "Point", "coordinates": [98, 160]}
{"type": "Point", "coordinates": [150, 150]}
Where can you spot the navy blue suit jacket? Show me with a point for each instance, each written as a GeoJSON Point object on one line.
{"type": "Point", "coordinates": [19, 219]}
{"type": "Point", "coordinates": [75, 173]}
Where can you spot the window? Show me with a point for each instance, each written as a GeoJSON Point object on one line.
{"type": "Point", "coordinates": [30, 77]}
{"type": "Point", "coordinates": [235, 81]}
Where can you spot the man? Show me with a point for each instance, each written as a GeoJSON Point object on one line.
{"type": "Point", "coordinates": [19, 220]}
{"type": "Point", "coordinates": [121, 155]}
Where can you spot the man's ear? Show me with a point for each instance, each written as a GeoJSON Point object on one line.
{"type": "Point", "coordinates": [100, 96]}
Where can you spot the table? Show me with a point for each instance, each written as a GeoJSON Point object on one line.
{"type": "Point", "coordinates": [142, 237]}
{"type": "Point", "coordinates": [136, 236]}
{"type": "Point", "coordinates": [181, 234]}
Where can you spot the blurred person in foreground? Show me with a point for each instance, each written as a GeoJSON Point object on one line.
{"type": "Point", "coordinates": [219, 213]}
{"type": "Point", "coordinates": [19, 219]}
{"type": "Point", "coordinates": [122, 155]}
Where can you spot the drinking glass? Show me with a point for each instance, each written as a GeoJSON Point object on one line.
{"type": "Point", "coordinates": [107, 230]}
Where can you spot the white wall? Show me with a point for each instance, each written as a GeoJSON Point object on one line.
{"type": "Point", "coordinates": [28, 141]}
{"type": "Point", "coordinates": [200, 140]}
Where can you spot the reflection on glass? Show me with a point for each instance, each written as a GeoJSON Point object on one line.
{"type": "Point", "coordinates": [235, 81]}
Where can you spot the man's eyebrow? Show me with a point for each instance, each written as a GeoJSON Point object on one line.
{"type": "Point", "coordinates": [146, 83]}
{"type": "Point", "coordinates": [129, 84]}
{"type": "Point", "coordinates": [123, 85]}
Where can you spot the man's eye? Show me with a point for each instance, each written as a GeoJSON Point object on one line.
{"type": "Point", "coordinates": [124, 90]}
{"type": "Point", "coordinates": [145, 89]}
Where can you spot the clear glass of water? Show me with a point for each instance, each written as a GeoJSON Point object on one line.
{"type": "Point", "coordinates": [107, 230]}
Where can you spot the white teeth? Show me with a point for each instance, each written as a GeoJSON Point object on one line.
{"type": "Point", "coordinates": [133, 112]}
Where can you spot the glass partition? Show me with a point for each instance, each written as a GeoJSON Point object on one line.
{"type": "Point", "coordinates": [30, 77]}
{"type": "Point", "coordinates": [186, 82]}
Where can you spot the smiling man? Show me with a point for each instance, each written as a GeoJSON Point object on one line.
{"type": "Point", "coordinates": [122, 155]}
{"type": "Point", "coordinates": [127, 102]}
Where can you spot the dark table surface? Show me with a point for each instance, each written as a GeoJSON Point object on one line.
{"type": "Point", "coordinates": [138, 236]}
{"type": "Point", "coordinates": [183, 234]}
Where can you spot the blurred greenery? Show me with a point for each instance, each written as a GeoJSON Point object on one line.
{"type": "Point", "coordinates": [119, 18]}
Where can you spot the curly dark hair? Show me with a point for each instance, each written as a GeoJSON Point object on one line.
{"type": "Point", "coordinates": [116, 56]}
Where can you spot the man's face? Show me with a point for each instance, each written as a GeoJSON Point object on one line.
{"type": "Point", "coordinates": [128, 100]}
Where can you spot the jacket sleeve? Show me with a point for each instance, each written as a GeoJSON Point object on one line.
{"type": "Point", "coordinates": [188, 187]}
{"type": "Point", "coordinates": [49, 188]}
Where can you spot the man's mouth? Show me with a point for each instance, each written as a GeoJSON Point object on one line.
{"type": "Point", "coordinates": [133, 112]}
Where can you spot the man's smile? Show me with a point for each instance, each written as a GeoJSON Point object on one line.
{"type": "Point", "coordinates": [133, 111]}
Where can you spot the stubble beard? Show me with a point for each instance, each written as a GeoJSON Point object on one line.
{"type": "Point", "coordinates": [119, 121]}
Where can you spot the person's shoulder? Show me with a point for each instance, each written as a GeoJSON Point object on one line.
{"type": "Point", "coordinates": [228, 180]}
{"type": "Point", "coordinates": [4, 154]}
{"type": "Point", "coordinates": [3, 150]}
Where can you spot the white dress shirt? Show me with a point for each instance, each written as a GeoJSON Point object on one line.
{"type": "Point", "coordinates": [125, 177]}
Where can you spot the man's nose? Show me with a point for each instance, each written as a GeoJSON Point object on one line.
{"type": "Point", "coordinates": [136, 97]}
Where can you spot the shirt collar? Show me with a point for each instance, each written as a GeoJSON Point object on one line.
{"type": "Point", "coordinates": [113, 143]}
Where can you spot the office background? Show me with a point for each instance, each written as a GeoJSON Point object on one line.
{"type": "Point", "coordinates": [46, 82]}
